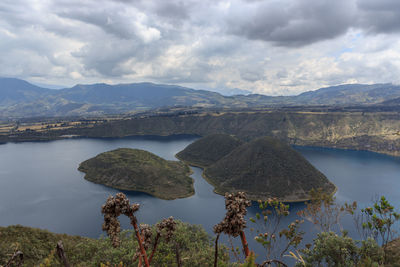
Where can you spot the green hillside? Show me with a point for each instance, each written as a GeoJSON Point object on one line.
{"type": "Point", "coordinates": [209, 149]}
{"type": "Point", "coordinates": [266, 168]}
{"type": "Point", "coordinates": [390, 102]}
{"type": "Point", "coordinates": [139, 170]}
{"type": "Point", "coordinates": [349, 94]}
{"type": "Point", "coordinates": [19, 98]}
{"type": "Point", "coordinates": [38, 247]}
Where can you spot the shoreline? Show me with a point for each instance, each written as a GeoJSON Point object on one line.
{"type": "Point", "coordinates": [76, 136]}
{"type": "Point", "coordinates": [149, 193]}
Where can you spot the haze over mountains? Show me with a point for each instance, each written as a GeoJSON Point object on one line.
{"type": "Point", "coordinates": [19, 98]}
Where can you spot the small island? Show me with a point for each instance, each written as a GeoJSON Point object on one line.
{"type": "Point", "coordinates": [263, 168]}
{"type": "Point", "coordinates": [139, 170]}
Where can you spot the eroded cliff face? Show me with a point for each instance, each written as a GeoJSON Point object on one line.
{"type": "Point", "coordinates": [373, 132]}
{"type": "Point", "coordinates": [378, 132]}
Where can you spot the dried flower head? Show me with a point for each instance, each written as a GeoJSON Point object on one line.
{"type": "Point", "coordinates": [114, 207]}
{"type": "Point", "coordinates": [234, 222]}
{"type": "Point", "coordinates": [166, 228]}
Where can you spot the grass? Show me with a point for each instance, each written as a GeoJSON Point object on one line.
{"type": "Point", "coordinates": [38, 248]}
{"type": "Point", "coordinates": [393, 252]}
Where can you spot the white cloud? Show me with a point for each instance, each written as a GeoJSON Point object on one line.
{"type": "Point", "coordinates": [272, 47]}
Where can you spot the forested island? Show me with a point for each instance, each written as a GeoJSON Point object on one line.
{"type": "Point", "coordinates": [139, 170]}
{"type": "Point", "coordinates": [263, 168]}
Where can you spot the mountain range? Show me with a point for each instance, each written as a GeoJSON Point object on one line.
{"type": "Point", "coordinates": [19, 98]}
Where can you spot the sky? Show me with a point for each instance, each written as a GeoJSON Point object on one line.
{"type": "Point", "coordinates": [273, 47]}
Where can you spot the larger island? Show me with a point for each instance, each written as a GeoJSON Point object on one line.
{"type": "Point", "coordinates": [263, 168]}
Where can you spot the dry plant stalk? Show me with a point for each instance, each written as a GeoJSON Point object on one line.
{"type": "Point", "coordinates": [272, 214]}
{"type": "Point", "coordinates": [165, 228]}
{"type": "Point", "coordinates": [234, 221]}
{"type": "Point", "coordinates": [61, 253]}
{"type": "Point", "coordinates": [269, 262]}
{"type": "Point", "coordinates": [322, 210]}
{"type": "Point", "coordinates": [146, 234]}
{"type": "Point", "coordinates": [216, 251]}
{"type": "Point", "coordinates": [154, 247]}
{"type": "Point", "coordinates": [17, 255]}
{"type": "Point", "coordinates": [113, 208]}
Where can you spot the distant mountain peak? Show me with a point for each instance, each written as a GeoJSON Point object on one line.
{"type": "Point", "coordinates": [19, 98]}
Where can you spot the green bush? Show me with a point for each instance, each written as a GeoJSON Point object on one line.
{"type": "Point", "coordinates": [342, 251]}
{"type": "Point", "coordinates": [38, 246]}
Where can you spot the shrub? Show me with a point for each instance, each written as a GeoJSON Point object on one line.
{"type": "Point", "coordinates": [333, 250]}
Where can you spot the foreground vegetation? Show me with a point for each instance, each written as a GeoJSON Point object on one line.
{"type": "Point", "coordinates": [173, 243]}
{"type": "Point", "coordinates": [38, 247]}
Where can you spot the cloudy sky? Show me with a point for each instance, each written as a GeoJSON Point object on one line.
{"type": "Point", "coordinates": [275, 47]}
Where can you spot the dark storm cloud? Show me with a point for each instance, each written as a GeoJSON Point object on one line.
{"type": "Point", "coordinates": [108, 20]}
{"type": "Point", "coordinates": [293, 23]}
{"type": "Point", "coordinates": [171, 10]}
{"type": "Point", "coordinates": [108, 58]}
{"type": "Point", "coordinates": [285, 23]}
{"type": "Point", "coordinates": [303, 22]}
{"type": "Point", "coordinates": [381, 16]}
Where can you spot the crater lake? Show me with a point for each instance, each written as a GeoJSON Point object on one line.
{"type": "Point", "coordinates": [41, 187]}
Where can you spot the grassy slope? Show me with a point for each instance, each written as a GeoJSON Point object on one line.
{"type": "Point", "coordinates": [37, 245]}
{"type": "Point", "coordinates": [266, 168]}
{"type": "Point", "coordinates": [394, 253]}
{"type": "Point", "coordinates": [139, 170]}
{"type": "Point", "coordinates": [209, 149]}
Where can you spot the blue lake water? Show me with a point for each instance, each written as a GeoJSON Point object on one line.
{"type": "Point", "coordinates": [40, 185]}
